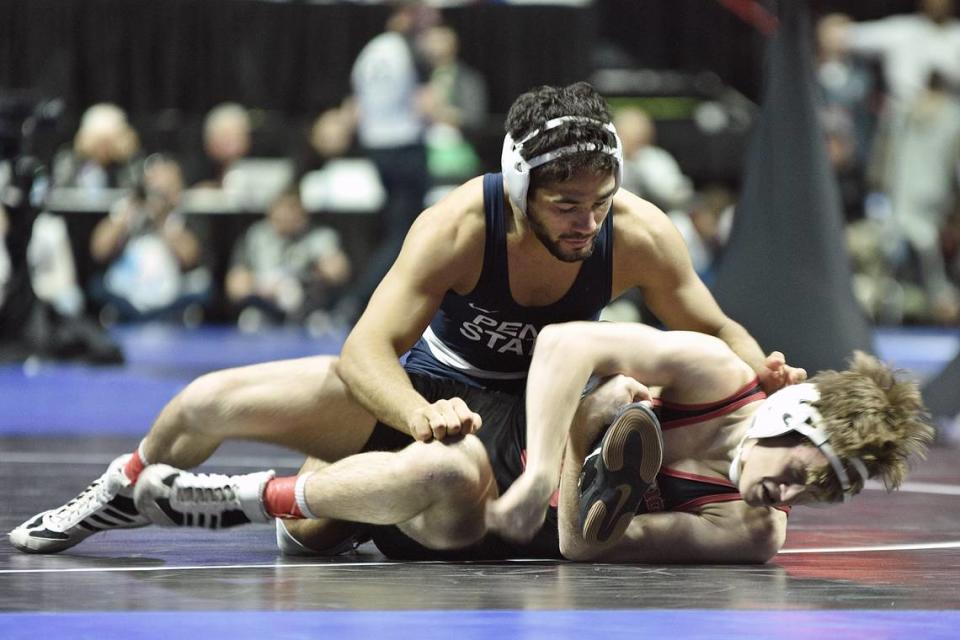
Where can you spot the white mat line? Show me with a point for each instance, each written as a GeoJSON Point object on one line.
{"type": "Point", "coordinates": [919, 487]}
{"type": "Point", "coordinates": [98, 459]}
{"type": "Point", "coordinates": [199, 567]}
{"type": "Point", "coordinates": [300, 565]}
{"type": "Point", "coordinates": [922, 546]}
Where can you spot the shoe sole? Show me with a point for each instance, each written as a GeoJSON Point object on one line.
{"type": "Point", "coordinates": [632, 450]}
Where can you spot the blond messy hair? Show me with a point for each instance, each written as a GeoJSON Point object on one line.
{"type": "Point", "coordinates": [872, 412]}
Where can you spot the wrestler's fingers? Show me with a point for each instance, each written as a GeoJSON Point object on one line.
{"type": "Point", "coordinates": [796, 375]}
{"type": "Point", "coordinates": [468, 420]}
{"type": "Point", "coordinates": [641, 393]}
{"type": "Point", "coordinates": [421, 430]}
{"type": "Point", "coordinates": [775, 360]}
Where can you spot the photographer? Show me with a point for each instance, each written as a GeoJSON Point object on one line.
{"type": "Point", "coordinates": [29, 326]}
{"type": "Point", "coordinates": [152, 258]}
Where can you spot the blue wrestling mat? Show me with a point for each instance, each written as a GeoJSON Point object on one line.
{"type": "Point", "coordinates": [483, 625]}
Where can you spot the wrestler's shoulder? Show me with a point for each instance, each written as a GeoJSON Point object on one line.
{"type": "Point", "coordinates": [637, 221]}
{"type": "Point", "coordinates": [459, 212]}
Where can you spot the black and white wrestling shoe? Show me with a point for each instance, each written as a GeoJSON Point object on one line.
{"type": "Point", "coordinates": [106, 504]}
{"type": "Point", "coordinates": [171, 497]}
{"type": "Point", "coordinates": [618, 472]}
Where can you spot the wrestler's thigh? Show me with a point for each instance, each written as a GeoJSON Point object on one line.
{"type": "Point", "coordinates": [301, 404]}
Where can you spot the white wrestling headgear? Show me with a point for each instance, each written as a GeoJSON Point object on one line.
{"type": "Point", "coordinates": [516, 170]}
{"type": "Point", "coordinates": [791, 409]}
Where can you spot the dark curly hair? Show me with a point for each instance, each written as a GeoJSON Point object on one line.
{"type": "Point", "coordinates": [534, 108]}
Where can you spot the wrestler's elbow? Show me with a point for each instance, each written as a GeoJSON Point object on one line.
{"type": "Point", "coordinates": [764, 534]}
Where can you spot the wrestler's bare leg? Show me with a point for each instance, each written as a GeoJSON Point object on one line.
{"type": "Point", "coordinates": [319, 536]}
{"type": "Point", "coordinates": [299, 404]}
{"type": "Point", "coordinates": [434, 492]}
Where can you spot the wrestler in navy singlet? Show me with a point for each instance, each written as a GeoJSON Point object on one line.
{"type": "Point", "coordinates": [484, 338]}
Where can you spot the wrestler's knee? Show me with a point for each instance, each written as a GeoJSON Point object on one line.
{"type": "Point", "coordinates": [201, 405]}
{"type": "Point", "coordinates": [455, 467]}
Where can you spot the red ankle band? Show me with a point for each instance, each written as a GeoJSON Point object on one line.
{"type": "Point", "coordinates": [133, 467]}
{"type": "Point", "coordinates": [279, 498]}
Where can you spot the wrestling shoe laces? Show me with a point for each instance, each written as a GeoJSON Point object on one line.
{"type": "Point", "coordinates": [171, 497]}
{"type": "Point", "coordinates": [618, 472]}
{"type": "Point", "coordinates": [105, 504]}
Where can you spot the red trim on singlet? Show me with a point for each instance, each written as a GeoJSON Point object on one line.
{"type": "Point", "coordinates": [685, 475]}
{"type": "Point", "coordinates": [691, 505]}
{"type": "Point", "coordinates": [707, 405]}
{"type": "Point", "coordinates": [719, 408]}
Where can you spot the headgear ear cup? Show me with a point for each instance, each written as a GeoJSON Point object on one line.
{"type": "Point", "coordinates": [516, 173]}
{"type": "Point", "coordinates": [516, 170]}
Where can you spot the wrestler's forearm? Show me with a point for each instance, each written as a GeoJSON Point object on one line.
{"type": "Point", "coordinates": [743, 344]}
{"type": "Point", "coordinates": [558, 373]}
{"type": "Point", "coordinates": [374, 377]}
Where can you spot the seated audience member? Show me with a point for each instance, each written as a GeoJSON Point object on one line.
{"type": "Point", "coordinates": [104, 152]}
{"type": "Point", "coordinates": [152, 260]}
{"type": "Point", "coordinates": [457, 106]}
{"type": "Point", "coordinates": [648, 170]}
{"type": "Point", "coordinates": [705, 227]}
{"type": "Point", "coordinates": [284, 270]}
{"type": "Point", "coordinates": [330, 136]}
{"type": "Point", "coordinates": [226, 139]}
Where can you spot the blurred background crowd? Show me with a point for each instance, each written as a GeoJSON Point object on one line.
{"type": "Point", "coordinates": [258, 163]}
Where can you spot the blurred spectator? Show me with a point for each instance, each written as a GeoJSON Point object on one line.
{"type": "Point", "coordinates": [30, 326]}
{"type": "Point", "coordinates": [282, 270]}
{"type": "Point", "coordinates": [841, 142]}
{"type": "Point", "coordinates": [53, 272]}
{"type": "Point", "coordinates": [331, 174]}
{"type": "Point", "coordinates": [152, 259]}
{"type": "Point", "coordinates": [649, 171]}
{"type": "Point", "coordinates": [226, 139]}
{"type": "Point", "coordinates": [104, 154]}
{"type": "Point", "coordinates": [330, 136]}
{"type": "Point", "coordinates": [921, 157]}
{"type": "Point", "coordinates": [391, 99]}
{"type": "Point", "coordinates": [848, 88]}
{"type": "Point", "coordinates": [459, 91]}
{"type": "Point", "coordinates": [458, 108]}
{"type": "Point", "coordinates": [705, 226]}
{"type": "Point", "coordinates": [910, 47]}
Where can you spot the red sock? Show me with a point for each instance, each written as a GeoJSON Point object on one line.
{"type": "Point", "coordinates": [279, 498]}
{"type": "Point", "coordinates": [134, 466]}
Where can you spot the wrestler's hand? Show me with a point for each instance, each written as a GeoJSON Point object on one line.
{"type": "Point", "coordinates": [599, 407]}
{"type": "Point", "coordinates": [445, 417]}
{"type": "Point", "coordinates": [779, 374]}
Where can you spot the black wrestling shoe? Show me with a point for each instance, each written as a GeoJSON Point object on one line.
{"type": "Point", "coordinates": [618, 472]}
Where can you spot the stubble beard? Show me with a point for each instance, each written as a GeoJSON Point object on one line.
{"type": "Point", "coordinates": [554, 246]}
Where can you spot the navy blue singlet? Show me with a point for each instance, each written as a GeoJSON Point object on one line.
{"type": "Point", "coordinates": [485, 339]}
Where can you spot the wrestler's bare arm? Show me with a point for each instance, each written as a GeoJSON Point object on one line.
{"type": "Point", "coordinates": [693, 367]}
{"type": "Point", "coordinates": [442, 251]}
{"type": "Point", "coordinates": [651, 254]}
